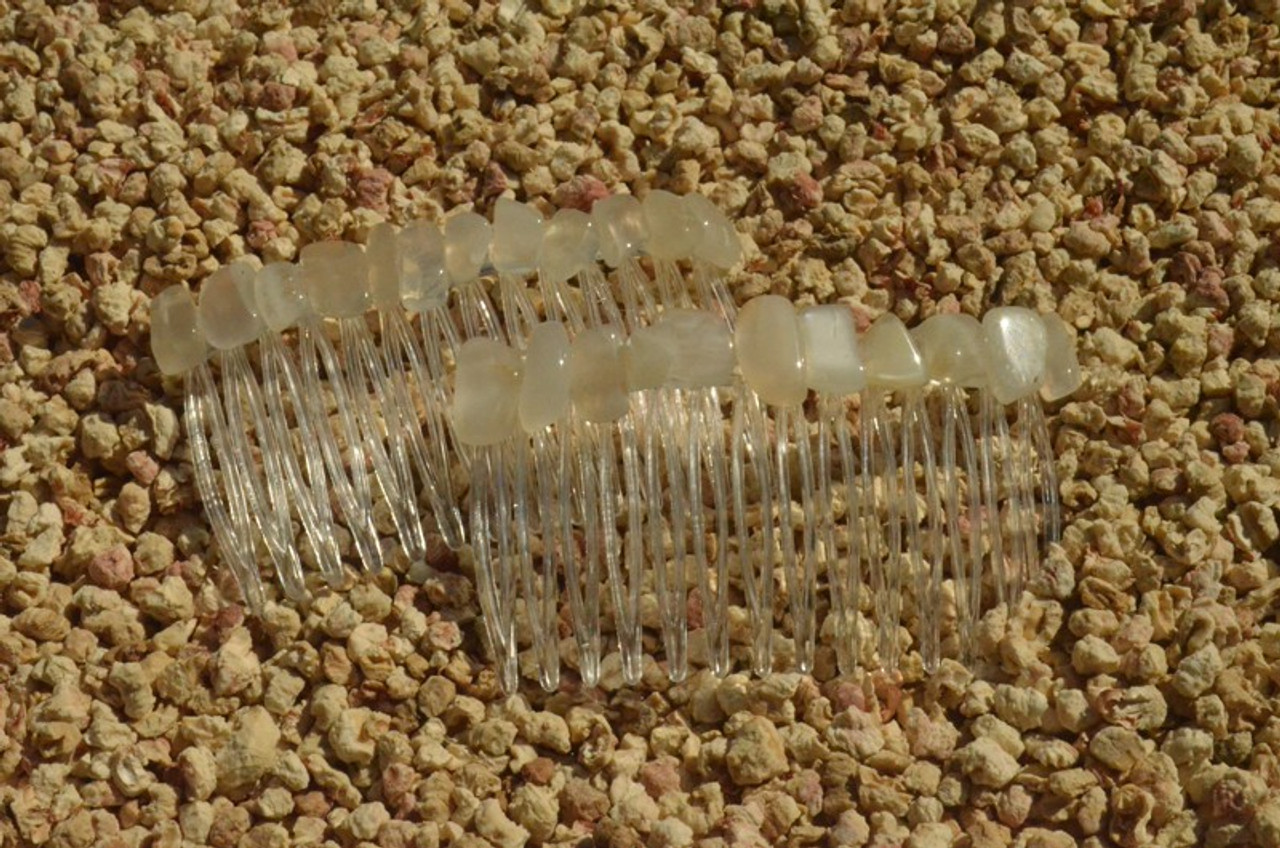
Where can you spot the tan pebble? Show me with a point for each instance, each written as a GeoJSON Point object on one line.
{"type": "Point", "coordinates": [1116, 747]}
{"type": "Point", "coordinates": [368, 648]}
{"type": "Point", "coordinates": [546, 730]}
{"type": "Point", "coordinates": [494, 825]}
{"type": "Point", "coordinates": [493, 737]}
{"type": "Point", "coordinates": [986, 763]}
{"type": "Point", "coordinates": [582, 802]}
{"type": "Point", "coordinates": [536, 809]}
{"type": "Point", "coordinates": [43, 625]}
{"type": "Point", "coordinates": [133, 683]}
{"type": "Point", "coordinates": [931, 835]}
{"type": "Point", "coordinates": [353, 736]}
{"type": "Point", "coordinates": [235, 665]}
{"type": "Point", "coordinates": [756, 753]}
{"type": "Point", "coordinates": [250, 752]}
{"type": "Point", "coordinates": [199, 772]}
{"type": "Point", "coordinates": [1266, 822]}
{"type": "Point", "coordinates": [282, 690]}
{"type": "Point", "coordinates": [850, 829]}
{"type": "Point", "coordinates": [365, 821]}
{"type": "Point", "coordinates": [1022, 708]}
{"type": "Point", "coordinates": [1197, 671]}
{"type": "Point", "coordinates": [1093, 655]}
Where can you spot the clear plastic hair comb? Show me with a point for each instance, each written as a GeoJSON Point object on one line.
{"type": "Point", "coordinates": [633, 446]}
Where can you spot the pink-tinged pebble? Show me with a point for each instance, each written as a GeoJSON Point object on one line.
{"type": "Point", "coordinates": [281, 45]}
{"type": "Point", "coordinates": [494, 182]}
{"type": "Point", "coordinates": [845, 694]}
{"type": "Point", "coordinates": [398, 780]}
{"type": "Point", "coordinates": [312, 804]}
{"type": "Point", "coordinates": [807, 789]}
{"type": "Point", "coordinates": [1227, 428]}
{"type": "Point", "coordinates": [277, 96]}
{"type": "Point", "coordinates": [143, 468]}
{"type": "Point", "coordinates": [694, 610]}
{"type": "Point", "coordinates": [443, 635]}
{"type": "Point", "coordinates": [539, 770]}
{"type": "Point", "coordinates": [260, 234]}
{"type": "Point", "coordinates": [100, 267]}
{"type": "Point", "coordinates": [403, 598]}
{"type": "Point", "coordinates": [1221, 338]}
{"type": "Point", "coordinates": [112, 569]}
{"type": "Point", "coordinates": [660, 777]}
{"type": "Point", "coordinates": [580, 193]}
{"type": "Point", "coordinates": [1236, 453]}
{"type": "Point", "coordinates": [802, 193]}
{"type": "Point", "coordinates": [372, 187]}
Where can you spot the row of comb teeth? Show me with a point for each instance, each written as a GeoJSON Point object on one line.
{"type": "Point", "coordinates": [639, 399]}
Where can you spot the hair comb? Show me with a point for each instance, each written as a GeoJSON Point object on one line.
{"type": "Point", "coordinates": [630, 446]}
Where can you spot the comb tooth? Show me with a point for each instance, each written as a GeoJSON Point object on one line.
{"type": "Point", "coordinates": [625, 429]}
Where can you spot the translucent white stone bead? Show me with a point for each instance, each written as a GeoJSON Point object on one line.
{"type": "Point", "coordinates": [544, 386]}
{"type": "Point", "coordinates": [770, 357]}
{"type": "Point", "coordinates": [717, 241]}
{"type": "Point", "coordinates": [596, 378]}
{"type": "Point", "coordinates": [423, 281]}
{"type": "Point", "coordinates": [832, 362]}
{"type": "Point", "coordinates": [335, 275]}
{"type": "Point", "coordinates": [892, 359]}
{"type": "Point", "coordinates": [619, 220]}
{"type": "Point", "coordinates": [673, 230]}
{"type": "Point", "coordinates": [176, 341]}
{"type": "Point", "coordinates": [280, 296]}
{"type": "Point", "coordinates": [466, 246]}
{"type": "Point", "coordinates": [486, 392]}
{"type": "Point", "coordinates": [1062, 375]}
{"type": "Point", "coordinates": [568, 247]}
{"type": "Point", "coordinates": [517, 237]}
{"type": "Point", "coordinates": [952, 348]}
{"type": "Point", "coordinates": [228, 309]}
{"type": "Point", "coordinates": [383, 252]}
{"type": "Point", "coordinates": [1017, 345]}
{"type": "Point", "coordinates": [701, 349]}
{"type": "Point", "coordinates": [647, 358]}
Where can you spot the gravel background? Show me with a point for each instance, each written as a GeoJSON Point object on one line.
{"type": "Point", "coordinates": [1113, 160]}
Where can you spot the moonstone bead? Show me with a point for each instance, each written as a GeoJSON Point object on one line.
{"type": "Point", "coordinates": [701, 349]}
{"type": "Point", "coordinates": [892, 359]}
{"type": "Point", "coordinates": [1062, 374]}
{"type": "Point", "coordinates": [176, 341]}
{"type": "Point", "coordinates": [832, 361]}
{"type": "Point", "coordinates": [952, 348]}
{"type": "Point", "coordinates": [466, 246]}
{"type": "Point", "coordinates": [673, 230]}
{"type": "Point", "coordinates": [383, 252]}
{"type": "Point", "coordinates": [716, 242]}
{"type": "Point", "coordinates": [569, 246]}
{"type": "Point", "coordinates": [1017, 345]}
{"type": "Point", "coordinates": [596, 377]}
{"type": "Point", "coordinates": [228, 309]}
{"type": "Point", "coordinates": [647, 358]}
{"type": "Point", "coordinates": [619, 220]}
{"type": "Point", "coordinates": [423, 281]}
{"type": "Point", "coordinates": [336, 277]}
{"type": "Point", "coordinates": [517, 237]}
{"type": "Point", "coordinates": [280, 296]}
{"type": "Point", "coordinates": [544, 386]}
{"type": "Point", "coordinates": [486, 392]}
{"type": "Point", "coordinates": [770, 356]}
